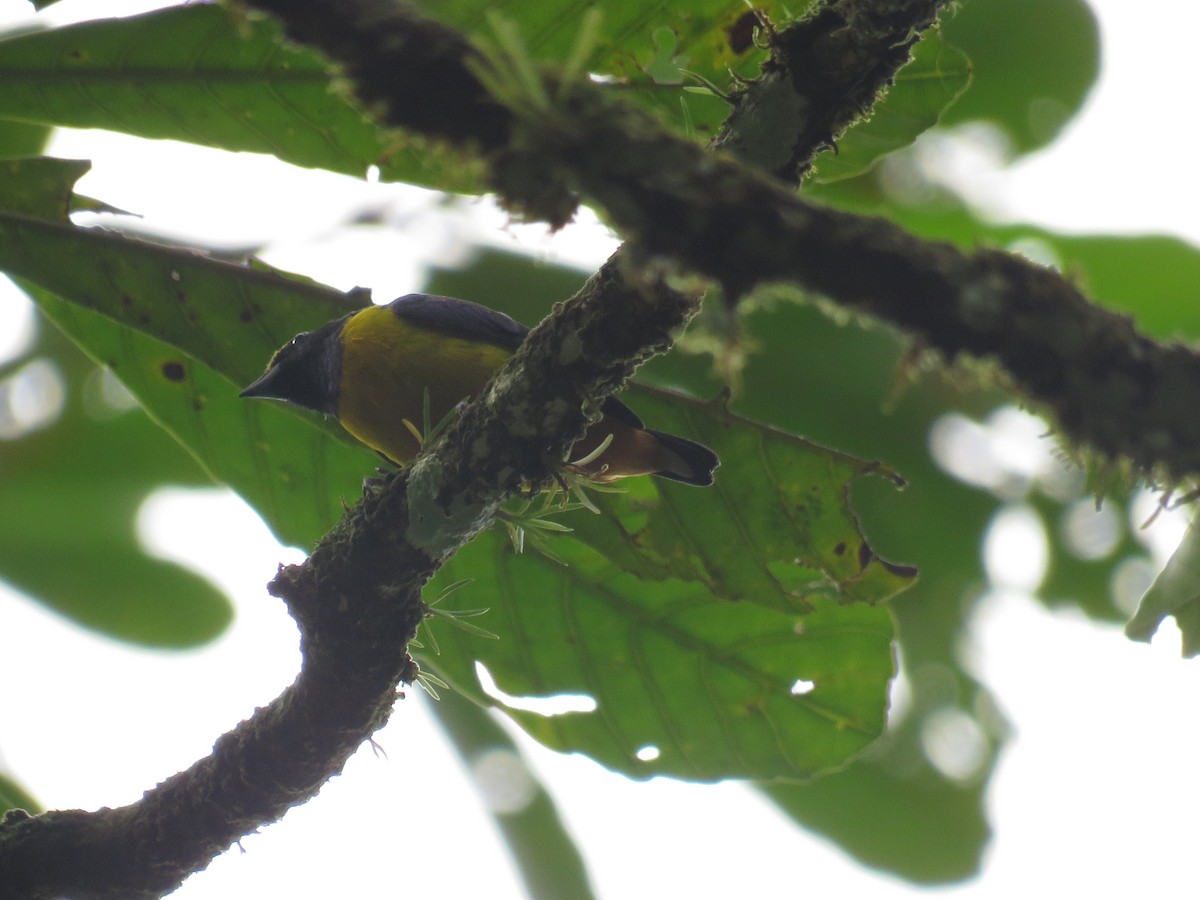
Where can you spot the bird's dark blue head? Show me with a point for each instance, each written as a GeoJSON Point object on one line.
{"type": "Point", "coordinates": [305, 371]}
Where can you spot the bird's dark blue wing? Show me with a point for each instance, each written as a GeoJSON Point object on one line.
{"type": "Point", "coordinates": [460, 318]}
{"type": "Point", "coordinates": [470, 321]}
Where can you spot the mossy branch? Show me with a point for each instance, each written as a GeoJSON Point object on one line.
{"type": "Point", "coordinates": [1109, 388]}
{"type": "Point", "coordinates": [357, 602]}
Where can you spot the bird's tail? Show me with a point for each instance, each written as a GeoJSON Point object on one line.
{"type": "Point", "coordinates": [685, 460]}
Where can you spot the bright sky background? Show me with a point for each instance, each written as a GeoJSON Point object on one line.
{"type": "Point", "coordinates": [1095, 795]}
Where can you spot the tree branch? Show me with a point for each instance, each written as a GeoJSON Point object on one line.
{"type": "Point", "coordinates": [826, 72]}
{"type": "Point", "coordinates": [1109, 387]}
{"type": "Point", "coordinates": [357, 603]}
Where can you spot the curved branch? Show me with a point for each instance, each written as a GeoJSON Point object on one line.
{"type": "Point", "coordinates": [357, 602]}
{"type": "Point", "coordinates": [1108, 386]}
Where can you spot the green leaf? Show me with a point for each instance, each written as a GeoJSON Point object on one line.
{"type": "Point", "coordinates": [73, 487]}
{"type": "Point", "coordinates": [836, 381]}
{"type": "Point", "coordinates": [1175, 592]}
{"type": "Point", "coordinates": [707, 683]}
{"type": "Point", "coordinates": [635, 41]}
{"type": "Point", "coordinates": [677, 611]}
{"type": "Point", "coordinates": [19, 139]}
{"type": "Point", "coordinates": [151, 313]}
{"type": "Point", "coordinates": [924, 89]}
{"type": "Point", "coordinates": [654, 53]}
{"type": "Point", "coordinates": [202, 74]}
{"type": "Point", "coordinates": [293, 470]}
{"type": "Point", "coordinates": [776, 530]}
{"type": "Point", "coordinates": [39, 186]}
{"type": "Point", "coordinates": [1034, 63]}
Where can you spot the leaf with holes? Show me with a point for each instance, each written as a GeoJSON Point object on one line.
{"type": "Point", "coordinates": [704, 625]}
{"type": "Point", "coordinates": [684, 682]}
{"type": "Point", "coordinates": [776, 529]}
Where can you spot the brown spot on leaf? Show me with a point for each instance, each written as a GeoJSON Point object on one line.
{"type": "Point", "coordinates": [174, 371]}
{"type": "Point", "coordinates": [840, 548]}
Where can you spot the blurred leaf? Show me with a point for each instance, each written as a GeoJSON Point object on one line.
{"type": "Point", "coordinates": [1034, 63]}
{"type": "Point", "coordinates": [19, 139]}
{"type": "Point", "coordinates": [521, 286]}
{"type": "Point", "coordinates": [199, 73]}
{"type": "Point", "coordinates": [13, 796]}
{"type": "Point", "coordinates": [550, 863]}
{"type": "Point", "coordinates": [1176, 592]}
{"type": "Point", "coordinates": [72, 490]}
{"type": "Point", "coordinates": [1081, 580]}
{"type": "Point", "coordinates": [918, 824]}
{"type": "Point", "coordinates": [924, 89]}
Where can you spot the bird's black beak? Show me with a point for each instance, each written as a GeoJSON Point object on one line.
{"type": "Point", "coordinates": [264, 386]}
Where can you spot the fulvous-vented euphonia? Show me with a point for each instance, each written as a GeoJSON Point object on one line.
{"type": "Point", "coordinates": [371, 369]}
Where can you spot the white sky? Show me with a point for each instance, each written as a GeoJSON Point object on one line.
{"type": "Point", "coordinates": [1094, 796]}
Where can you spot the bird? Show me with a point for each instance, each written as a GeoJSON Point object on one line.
{"type": "Point", "coordinates": [373, 369]}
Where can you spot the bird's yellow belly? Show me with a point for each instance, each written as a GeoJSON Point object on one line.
{"type": "Point", "coordinates": [387, 366]}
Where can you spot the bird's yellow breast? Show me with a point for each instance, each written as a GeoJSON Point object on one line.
{"type": "Point", "coordinates": [388, 364]}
